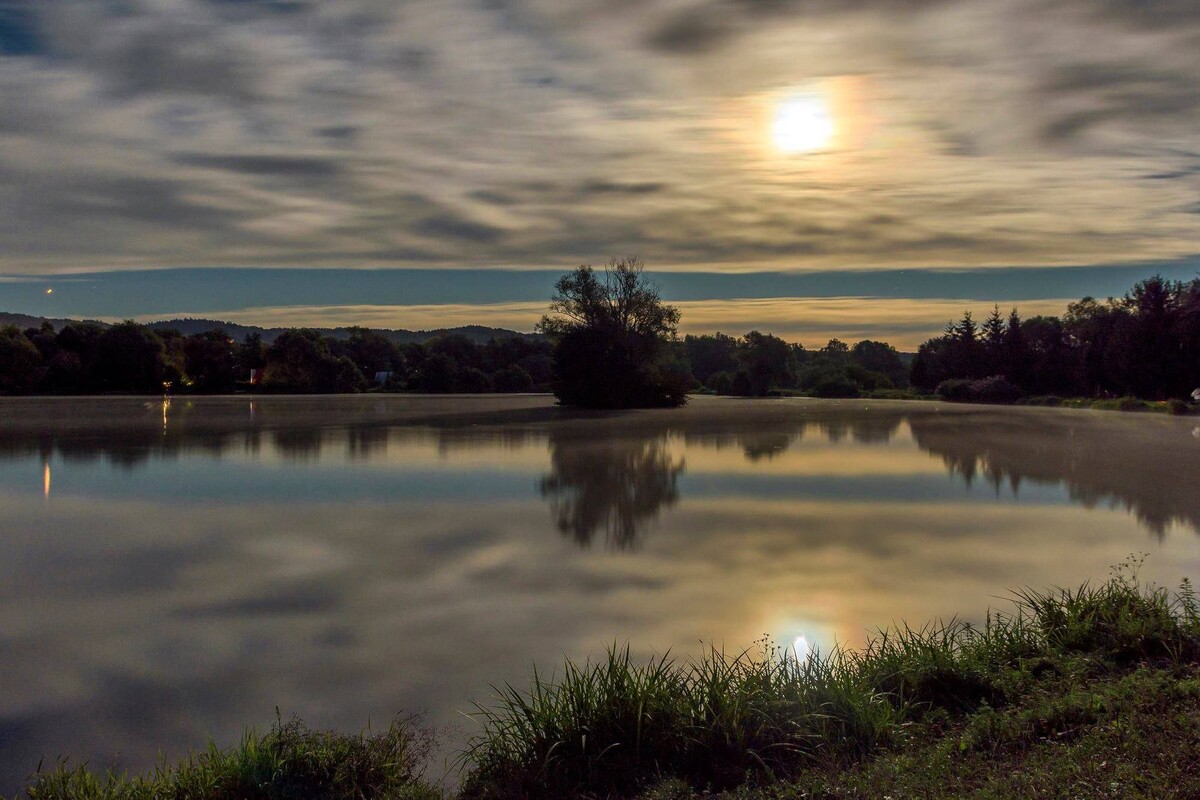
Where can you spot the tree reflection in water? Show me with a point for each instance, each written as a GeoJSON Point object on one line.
{"type": "Point", "coordinates": [613, 475]}
{"type": "Point", "coordinates": [609, 486]}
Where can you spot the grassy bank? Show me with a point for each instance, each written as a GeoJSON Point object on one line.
{"type": "Point", "coordinates": [1174, 406]}
{"type": "Point", "coordinates": [1085, 692]}
{"type": "Point", "coordinates": [289, 762]}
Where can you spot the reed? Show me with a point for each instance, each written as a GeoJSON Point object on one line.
{"type": "Point", "coordinates": [289, 762]}
{"type": "Point", "coordinates": [616, 726]}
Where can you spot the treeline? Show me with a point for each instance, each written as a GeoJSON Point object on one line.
{"type": "Point", "coordinates": [90, 358]}
{"type": "Point", "coordinates": [1145, 344]}
{"type": "Point", "coordinates": [757, 364]}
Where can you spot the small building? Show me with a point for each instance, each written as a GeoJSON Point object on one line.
{"type": "Point", "coordinates": [382, 377]}
{"type": "Point", "coordinates": [256, 376]}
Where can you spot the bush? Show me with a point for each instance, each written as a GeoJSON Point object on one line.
{"type": "Point", "coordinates": [1130, 404]}
{"type": "Point", "coordinates": [287, 763]}
{"type": "Point", "coordinates": [512, 379]}
{"type": "Point", "coordinates": [1049, 400]}
{"type": "Point", "coordinates": [834, 385]}
{"type": "Point", "coordinates": [957, 390]}
{"type": "Point", "coordinates": [720, 382]}
{"type": "Point", "coordinates": [994, 389]}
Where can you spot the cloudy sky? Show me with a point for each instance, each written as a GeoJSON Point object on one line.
{"type": "Point", "coordinates": [919, 157]}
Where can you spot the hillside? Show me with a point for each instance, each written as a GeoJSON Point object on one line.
{"type": "Point", "coordinates": [478, 334]}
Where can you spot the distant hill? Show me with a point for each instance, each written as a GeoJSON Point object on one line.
{"type": "Point", "coordinates": [479, 334]}
{"type": "Point", "coordinates": [24, 321]}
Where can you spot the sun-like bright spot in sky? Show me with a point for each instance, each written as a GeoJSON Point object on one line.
{"type": "Point", "coordinates": [802, 648]}
{"type": "Point", "coordinates": [803, 123]}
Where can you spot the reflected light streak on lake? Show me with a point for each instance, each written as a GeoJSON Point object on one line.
{"type": "Point", "coordinates": [205, 560]}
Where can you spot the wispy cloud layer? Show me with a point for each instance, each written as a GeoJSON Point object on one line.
{"type": "Point", "coordinates": [153, 133]}
{"type": "Point", "coordinates": [811, 321]}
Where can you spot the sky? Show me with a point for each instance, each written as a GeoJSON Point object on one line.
{"type": "Point", "coordinates": [859, 168]}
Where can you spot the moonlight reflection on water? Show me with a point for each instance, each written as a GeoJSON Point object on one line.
{"type": "Point", "coordinates": [330, 555]}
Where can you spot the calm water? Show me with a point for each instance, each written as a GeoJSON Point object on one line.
{"type": "Point", "coordinates": [171, 571]}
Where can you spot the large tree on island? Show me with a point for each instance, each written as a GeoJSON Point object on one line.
{"type": "Point", "coordinates": [616, 343]}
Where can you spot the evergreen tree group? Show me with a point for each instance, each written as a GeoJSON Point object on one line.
{"type": "Point", "coordinates": [1145, 344]}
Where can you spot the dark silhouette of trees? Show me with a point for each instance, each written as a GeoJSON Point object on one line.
{"type": "Point", "coordinates": [880, 358]}
{"type": "Point", "coordinates": [210, 361]}
{"type": "Point", "coordinates": [1145, 344]}
{"type": "Point", "coordinates": [615, 340]}
{"type": "Point", "coordinates": [609, 487]}
{"type": "Point", "coordinates": [512, 378]}
{"type": "Point", "coordinates": [21, 364]}
{"type": "Point", "coordinates": [252, 354]}
{"type": "Point", "coordinates": [759, 364]}
{"type": "Point", "coordinates": [613, 344]}
{"type": "Point", "coordinates": [300, 361]}
{"type": "Point", "coordinates": [768, 362]}
{"type": "Point", "coordinates": [90, 357]}
{"type": "Point", "coordinates": [128, 358]}
{"type": "Point", "coordinates": [709, 355]}
{"type": "Point", "coordinates": [372, 352]}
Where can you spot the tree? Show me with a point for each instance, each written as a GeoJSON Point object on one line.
{"type": "Point", "coordinates": [21, 366]}
{"type": "Point", "coordinates": [615, 340]}
{"type": "Point", "coordinates": [880, 357]}
{"type": "Point", "coordinates": [768, 363]}
{"type": "Point", "coordinates": [128, 358]}
{"type": "Point", "coordinates": [210, 361]}
{"type": "Point", "coordinates": [299, 361]}
{"type": "Point", "coordinates": [372, 352]}
{"type": "Point", "coordinates": [709, 355]}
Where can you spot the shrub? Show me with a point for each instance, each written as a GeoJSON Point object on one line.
{"type": "Point", "coordinates": [994, 389]}
{"type": "Point", "coordinates": [720, 382]}
{"type": "Point", "coordinates": [957, 390]}
{"type": "Point", "coordinates": [834, 385]}
{"type": "Point", "coordinates": [614, 727]}
{"type": "Point", "coordinates": [1050, 400]}
{"type": "Point", "coordinates": [289, 762]}
{"type": "Point", "coordinates": [512, 378]}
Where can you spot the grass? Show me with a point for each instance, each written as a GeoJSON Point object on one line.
{"type": "Point", "coordinates": [1173, 406]}
{"type": "Point", "coordinates": [289, 762]}
{"type": "Point", "coordinates": [1090, 691]}
{"type": "Point", "coordinates": [765, 718]}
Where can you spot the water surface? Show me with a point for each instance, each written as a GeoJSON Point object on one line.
{"type": "Point", "coordinates": [174, 570]}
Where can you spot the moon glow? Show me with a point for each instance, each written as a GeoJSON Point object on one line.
{"type": "Point", "coordinates": [802, 124]}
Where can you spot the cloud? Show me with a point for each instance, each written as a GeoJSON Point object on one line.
{"type": "Point", "coordinates": [905, 323]}
{"type": "Point", "coordinates": [449, 226]}
{"type": "Point", "coordinates": [689, 32]}
{"type": "Point", "coordinates": [534, 133]}
{"type": "Point", "coordinates": [275, 166]}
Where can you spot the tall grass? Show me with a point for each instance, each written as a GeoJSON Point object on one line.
{"type": "Point", "coordinates": [615, 726]}
{"type": "Point", "coordinates": [289, 762]}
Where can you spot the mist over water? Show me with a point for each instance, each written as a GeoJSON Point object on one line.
{"type": "Point", "coordinates": [176, 569]}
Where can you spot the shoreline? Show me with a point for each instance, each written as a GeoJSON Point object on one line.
{"type": "Point", "coordinates": [1067, 685]}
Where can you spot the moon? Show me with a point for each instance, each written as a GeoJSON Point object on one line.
{"type": "Point", "coordinates": [802, 648]}
{"type": "Point", "coordinates": [803, 124]}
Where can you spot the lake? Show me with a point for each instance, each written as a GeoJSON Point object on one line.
{"type": "Point", "coordinates": [175, 569]}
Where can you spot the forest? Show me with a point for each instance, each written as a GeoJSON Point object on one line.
{"type": "Point", "coordinates": [84, 358]}
{"type": "Point", "coordinates": [1145, 344]}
